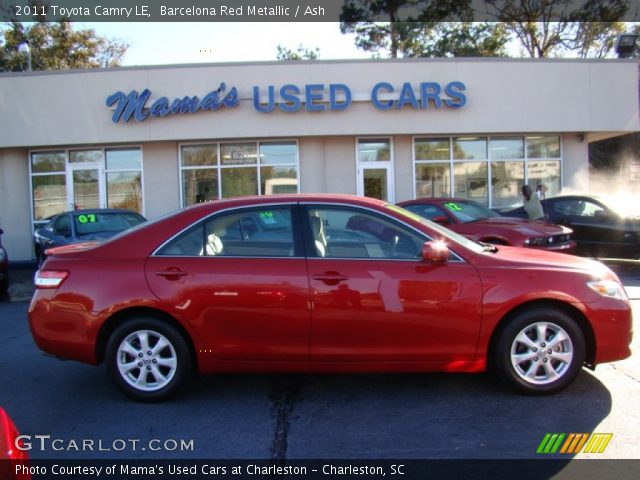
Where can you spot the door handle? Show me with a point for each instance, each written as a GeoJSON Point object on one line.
{"type": "Point", "coordinates": [329, 277]}
{"type": "Point", "coordinates": [171, 273]}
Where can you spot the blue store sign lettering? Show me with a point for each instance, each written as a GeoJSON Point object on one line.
{"type": "Point", "coordinates": [289, 98]}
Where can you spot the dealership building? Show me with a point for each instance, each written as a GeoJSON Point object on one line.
{"type": "Point", "coordinates": [156, 139]}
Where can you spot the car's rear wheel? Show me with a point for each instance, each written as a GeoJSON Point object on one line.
{"type": "Point", "coordinates": [540, 351]}
{"type": "Point", "coordinates": [148, 359]}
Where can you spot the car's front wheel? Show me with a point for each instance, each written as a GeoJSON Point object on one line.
{"type": "Point", "coordinates": [148, 359]}
{"type": "Point", "coordinates": [540, 351]}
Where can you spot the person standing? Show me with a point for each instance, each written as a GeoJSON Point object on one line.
{"type": "Point", "coordinates": [531, 204]}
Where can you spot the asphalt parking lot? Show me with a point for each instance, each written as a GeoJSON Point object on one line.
{"type": "Point", "coordinates": [430, 416]}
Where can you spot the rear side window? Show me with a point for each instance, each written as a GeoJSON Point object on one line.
{"type": "Point", "coordinates": [259, 232]}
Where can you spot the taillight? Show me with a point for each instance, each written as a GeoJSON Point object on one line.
{"type": "Point", "coordinates": [50, 278]}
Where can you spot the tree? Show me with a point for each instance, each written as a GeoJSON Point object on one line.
{"type": "Point", "coordinates": [547, 28]}
{"type": "Point", "coordinates": [57, 46]}
{"type": "Point", "coordinates": [301, 53]}
{"type": "Point", "coordinates": [418, 28]}
{"type": "Point", "coordinates": [457, 39]}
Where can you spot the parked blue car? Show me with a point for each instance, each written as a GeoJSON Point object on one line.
{"type": "Point", "coordinates": [82, 226]}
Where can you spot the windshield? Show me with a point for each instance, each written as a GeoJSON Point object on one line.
{"type": "Point", "coordinates": [469, 211]}
{"type": "Point", "coordinates": [99, 222]}
{"type": "Point", "coordinates": [444, 232]}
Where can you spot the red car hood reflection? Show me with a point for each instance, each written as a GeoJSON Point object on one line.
{"type": "Point", "coordinates": [76, 247]}
{"type": "Point", "coordinates": [521, 225]}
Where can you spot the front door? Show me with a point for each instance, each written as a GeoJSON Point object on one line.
{"type": "Point", "coordinates": [374, 168]}
{"type": "Point", "coordinates": [86, 187]}
{"type": "Point", "coordinates": [374, 300]}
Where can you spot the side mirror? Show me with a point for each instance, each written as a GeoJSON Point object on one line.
{"type": "Point", "coordinates": [435, 252]}
{"type": "Point", "coordinates": [441, 220]}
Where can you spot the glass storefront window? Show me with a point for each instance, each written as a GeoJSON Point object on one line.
{"type": "Point", "coordinates": [49, 195]}
{"type": "Point", "coordinates": [543, 147]}
{"type": "Point", "coordinates": [278, 180]}
{"type": "Point", "coordinates": [507, 179]}
{"type": "Point", "coordinates": [237, 154]}
{"type": "Point", "coordinates": [470, 181]}
{"type": "Point", "coordinates": [546, 173]}
{"type": "Point", "coordinates": [278, 153]}
{"type": "Point", "coordinates": [432, 149]}
{"type": "Point", "coordinates": [124, 190]}
{"type": "Point", "coordinates": [239, 172]}
{"type": "Point", "coordinates": [47, 162]}
{"type": "Point", "coordinates": [124, 159]}
{"type": "Point", "coordinates": [470, 148]}
{"type": "Point", "coordinates": [433, 180]}
{"type": "Point", "coordinates": [199, 155]}
{"type": "Point", "coordinates": [374, 150]}
{"type": "Point", "coordinates": [199, 185]}
{"type": "Point", "coordinates": [506, 148]}
{"type": "Point", "coordinates": [85, 156]}
{"type": "Point", "coordinates": [238, 182]}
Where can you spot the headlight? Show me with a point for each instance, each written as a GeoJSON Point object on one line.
{"type": "Point", "coordinates": [608, 288]}
{"type": "Point", "coordinates": [537, 241]}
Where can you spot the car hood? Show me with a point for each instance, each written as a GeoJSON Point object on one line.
{"type": "Point", "coordinates": [525, 227]}
{"type": "Point", "coordinates": [538, 260]}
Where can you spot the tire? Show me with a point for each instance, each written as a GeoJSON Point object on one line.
{"type": "Point", "coordinates": [153, 375]}
{"type": "Point", "coordinates": [540, 351]}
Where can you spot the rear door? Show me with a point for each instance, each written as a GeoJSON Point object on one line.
{"type": "Point", "coordinates": [240, 279]}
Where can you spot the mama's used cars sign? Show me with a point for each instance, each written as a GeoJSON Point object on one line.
{"type": "Point", "coordinates": [288, 98]}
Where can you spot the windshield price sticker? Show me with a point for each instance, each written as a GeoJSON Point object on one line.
{"type": "Point", "coordinates": [454, 207]}
{"type": "Point", "coordinates": [88, 218]}
{"type": "Point", "coordinates": [268, 218]}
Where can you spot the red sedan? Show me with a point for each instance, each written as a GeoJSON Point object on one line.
{"type": "Point", "coordinates": [479, 223]}
{"type": "Point", "coordinates": [14, 461]}
{"type": "Point", "coordinates": [322, 283]}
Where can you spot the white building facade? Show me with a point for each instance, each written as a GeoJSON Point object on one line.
{"type": "Point", "coordinates": [155, 139]}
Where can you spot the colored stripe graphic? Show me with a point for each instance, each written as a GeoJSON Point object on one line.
{"type": "Point", "coordinates": [574, 443]}
{"type": "Point", "coordinates": [550, 443]}
{"type": "Point", "coordinates": [598, 442]}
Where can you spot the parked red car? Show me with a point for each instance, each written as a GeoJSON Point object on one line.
{"type": "Point", "coordinates": [12, 459]}
{"type": "Point", "coordinates": [322, 283]}
{"type": "Point", "coordinates": [479, 223]}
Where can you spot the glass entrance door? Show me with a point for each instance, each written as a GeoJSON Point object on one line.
{"type": "Point", "coordinates": [86, 189]}
{"type": "Point", "coordinates": [374, 182]}
{"type": "Point", "coordinates": [374, 160]}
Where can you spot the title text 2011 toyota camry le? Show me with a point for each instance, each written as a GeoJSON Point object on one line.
{"type": "Point", "coordinates": [322, 283]}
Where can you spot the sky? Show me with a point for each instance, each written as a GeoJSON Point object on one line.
{"type": "Point", "coordinates": [191, 42]}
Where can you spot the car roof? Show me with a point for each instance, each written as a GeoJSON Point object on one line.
{"type": "Point", "coordinates": [287, 198]}
{"type": "Point", "coordinates": [438, 200]}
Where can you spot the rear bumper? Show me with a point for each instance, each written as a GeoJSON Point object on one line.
{"type": "Point", "coordinates": [63, 331]}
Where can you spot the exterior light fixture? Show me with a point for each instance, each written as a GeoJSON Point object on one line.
{"type": "Point", "coordinates": [626, 44]}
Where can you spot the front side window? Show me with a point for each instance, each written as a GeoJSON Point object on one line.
{"type": "Point", "coordinates": [353, 233]}
{"type": "Point", "coordinates": [256, 232]}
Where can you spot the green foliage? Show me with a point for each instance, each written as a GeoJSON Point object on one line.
{"type": "Point", "coordinates": [542, 28]}
{"type": "Point", "coordinates": [57, 46]}
{"type": "Point", "coordinates": [301, 53]}
{"type": "Point", "coordinates": [554, 28]}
